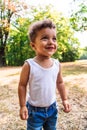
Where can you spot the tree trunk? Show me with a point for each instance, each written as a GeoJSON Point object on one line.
{"type": "Point", "coordinates": [2, 56]}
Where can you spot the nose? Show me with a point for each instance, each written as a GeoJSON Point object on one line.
{"type": "Point", "coordinates": [50, 41]}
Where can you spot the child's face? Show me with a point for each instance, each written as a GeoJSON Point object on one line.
{"type": "Point", "coordinates": [45, 43]}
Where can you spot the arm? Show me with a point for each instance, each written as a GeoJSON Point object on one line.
{"type": "Point", "coordinates": [62, 91]}
{"type": "Point", "coordinates": [22, 87]}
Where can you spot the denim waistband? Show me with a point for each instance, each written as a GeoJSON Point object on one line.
{"type": "Point", "coordinates": [42, 108]}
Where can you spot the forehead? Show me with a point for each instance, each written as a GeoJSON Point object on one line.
{"type": "Point", "coordinates": [47, 31]}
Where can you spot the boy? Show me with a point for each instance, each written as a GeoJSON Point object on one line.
{"type": "Point", "coordinates": [43, 74]}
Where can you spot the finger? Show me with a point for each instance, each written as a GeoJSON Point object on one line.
{"type": "Point", "coordinates": [67, 108]}
{"type": "Point", "coordinates": [23, 116]}
{"type": "Point", "coordinates": [26, 115]}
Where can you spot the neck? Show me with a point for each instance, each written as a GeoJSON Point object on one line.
{"type": "Point", "coordinates": [42, 58]}
{"type": "Point", "coordinates": [45, 62]}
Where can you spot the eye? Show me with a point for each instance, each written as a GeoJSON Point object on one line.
{"type": "Point", "coordinates": [44, 38]}
{"type": "Point", "coordinates": [54, 39]}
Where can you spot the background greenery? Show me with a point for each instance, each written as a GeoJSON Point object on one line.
{"type": "Point", "coordinates": [15, 19]}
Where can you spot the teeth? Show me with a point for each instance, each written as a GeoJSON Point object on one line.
{"type": "Point", "coordinates": [50, 47]}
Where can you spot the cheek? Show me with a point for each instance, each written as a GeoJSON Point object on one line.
{"type": "Point", "coordinates": [56, 45]}
{"type": "Point", "coordinates": [40, 46]}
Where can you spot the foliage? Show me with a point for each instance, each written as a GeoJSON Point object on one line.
{"type": "Point", "coordinates": [18, 47]}
{"type": "Point", "coordinates": [79, 17]}
{"type": "Point", "coordinates": [83, 54]}
{"type": "Point", "coordinates": [9, 9]}
{"type": "Point", "coordinates": [18, 50]}
{"type": "Point", "coordinates": [68, 45]}
{"type": "Point", "coordinates": [6, 12]}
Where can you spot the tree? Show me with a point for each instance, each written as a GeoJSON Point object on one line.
{"type": "Point", "coordinates": [65, 35]}
{"type": "Point", "coordinates": [7, 9]}
{"type": "Point", "coordinates": [79, 16]}
{"type": "Point", "coordinates": [83, 53]}
{"type": "Point", "coordinates": [18, 49]}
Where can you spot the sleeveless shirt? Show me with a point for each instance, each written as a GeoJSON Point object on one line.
{"type": "Point", "coordinates": [42, 83]}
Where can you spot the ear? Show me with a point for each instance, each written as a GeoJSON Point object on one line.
{"type": "Point", "coordinates": [32, 45]}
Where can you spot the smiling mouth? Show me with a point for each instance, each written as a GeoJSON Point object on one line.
{"type": "Point", "coordinates": [50, 48]}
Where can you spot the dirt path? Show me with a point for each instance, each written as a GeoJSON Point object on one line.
{"type": "Point", "coordinates": [8, 74]}
{"type": "Point", "coordinates": [76, 85]}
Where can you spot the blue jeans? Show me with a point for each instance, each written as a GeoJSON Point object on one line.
{"type": "Point", "coordinates": [42, 117]}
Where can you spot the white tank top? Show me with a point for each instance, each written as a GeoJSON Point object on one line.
{"type": "Point", "coordinates": [42, 83]}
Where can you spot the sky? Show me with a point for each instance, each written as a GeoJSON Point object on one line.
{"type": "Point", "coordinates": [61, 5]}
{"type": "Point", "coordinates": [65, 7]}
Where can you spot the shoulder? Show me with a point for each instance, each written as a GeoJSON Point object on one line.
{"type": "Point", "coordinates": [58, 64]}
{"type": "Point", "coordinates": [29, 61]}
{"type": "Point", "coordinates": [56, 61]}
{"type": "Point", "coordinates": [24, 75]}
{"type": "Point", "coordinates": [25, 67]}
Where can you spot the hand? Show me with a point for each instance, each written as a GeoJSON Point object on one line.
{"type": "Point", "coordinates": [67, 107]}
{"type": "Point", "coordinates": [24, 113]}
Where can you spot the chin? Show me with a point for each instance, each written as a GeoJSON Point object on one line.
{"type": "Point", "coordinates": [50, 54]}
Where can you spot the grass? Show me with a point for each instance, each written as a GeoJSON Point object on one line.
{"type": "Point", "coordinates": [74, 68]}
{"type": "Point", "coordinates": [75, 78]}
